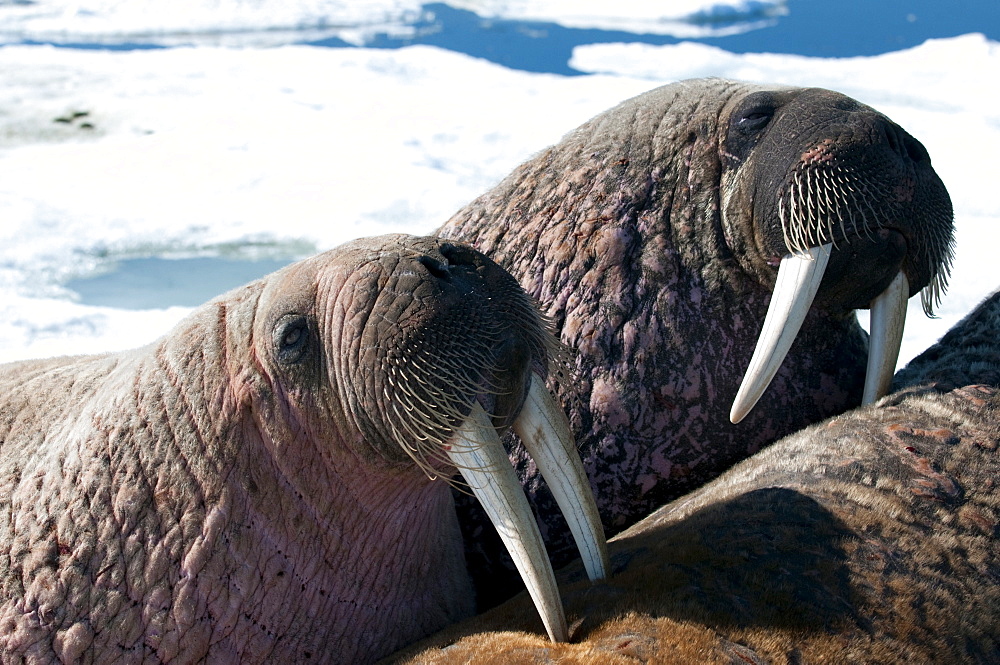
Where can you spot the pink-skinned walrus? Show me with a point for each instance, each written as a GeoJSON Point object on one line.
{"type": "Point", "coordinates": [268, 482]}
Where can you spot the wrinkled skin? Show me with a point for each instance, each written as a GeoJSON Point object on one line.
{"type": "Point", "coordinates": [870, 538]}
{"type": "Point", "coordinates": [233, 493]}
{"type": "Point", "coordinates": [651, 237]}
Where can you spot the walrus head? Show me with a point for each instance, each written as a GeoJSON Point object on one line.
{"type": "Point", "coordinates": [420, 351]}
{"type": "Point", "coordinates": [831, 190]}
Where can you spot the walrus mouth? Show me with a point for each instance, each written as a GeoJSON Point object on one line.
{"type": "Point", "coordinates": [818, 209]}
{"type": "Point", "coordinates": [480, 457]}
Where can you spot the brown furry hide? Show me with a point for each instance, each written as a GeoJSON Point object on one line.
{"type": "Point", "coordinates": [870, 538]}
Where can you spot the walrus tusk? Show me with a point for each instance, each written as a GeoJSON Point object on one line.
{"type": "Point", "coordinates": [888, 317]}
{"type": "Point", "coordinates": [799, 276]}
{"type": "Point", "coordinates": [481, 459]}
{"type": "Point", "coordinates": [544, 429]}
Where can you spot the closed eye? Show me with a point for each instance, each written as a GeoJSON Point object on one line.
{"type": "Point", "coordinates": [755, 121]}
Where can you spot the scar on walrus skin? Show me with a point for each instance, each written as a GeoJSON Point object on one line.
{"type": "Point", "coordinates": [663, 235]}
{"type": "Point", "coordinates": [269, 481]}
{"type": "Point", "coordinates": [870, 538]}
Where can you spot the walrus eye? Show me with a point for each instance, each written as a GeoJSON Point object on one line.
{"type": "Point", "coordinates": [291, 338]}
{"type": "Point", "coordinates": [747, 124]}
{"type": "Point", "coordinates": [755, 120]}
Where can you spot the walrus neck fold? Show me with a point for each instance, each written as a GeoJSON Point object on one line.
{"type": "Point", "coordinates": [375, 552]}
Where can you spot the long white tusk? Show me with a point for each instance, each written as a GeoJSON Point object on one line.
{"type": "Point", "coordinates": [888, 316]}
{"type": "Point", "coordinates": [544, 430]}
{"type": "Point", "coordinates": [799, 276]}
{"type": "Point", "coordinates": [481, 459]}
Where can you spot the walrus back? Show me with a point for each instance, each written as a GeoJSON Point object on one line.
{"type": "Point", "coordinates": [36, 396]}
{"type": "Point", "coordinates": [95, 494]}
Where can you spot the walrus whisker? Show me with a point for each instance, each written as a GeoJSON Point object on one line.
{"type": "Point", "coordinates": [462, 385]}
{"type": "Point", "coordinates": [416, 437]}
{"type": "Point", "coordinates": [783, 222]}
{"type": "Point", "coordinates": [820, 212]}
{"type": "Point", "coordinates": [422, 455]}
{"type": "Point", "coordinates": [443, 412]}
{"type": "Point", "coordinates": [807, 210]}
{"type": "Point", "coordinates": [452, 378]}
{"type": "Point", "coordinates": [931, 295]}
{"type": "Point", "coordinates": [874, 220]}
{"type": "Point", "coordinates": [841, 205]}
{"type": "Point", "coordinates": [407, 399]}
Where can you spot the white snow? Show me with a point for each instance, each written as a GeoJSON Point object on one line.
{"type": "Point", "coordinates": [273, 23]}
{"type": "Point", "coordinates": [280, 152]}
{"type": "Point", "coordinates": [679, 18]}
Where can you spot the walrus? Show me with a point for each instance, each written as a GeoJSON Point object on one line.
{"type": "Point", "coordinates": [269, 481]}
{"type": "Point", "coordinates": [869, 538]}
{"type": "Point", "coordinates": [653, 237]}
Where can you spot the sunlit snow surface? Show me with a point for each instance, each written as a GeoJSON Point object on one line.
{"type": "Point", "coordinates": [108, 158]}
{"type": "Point", "coordinates": [275, 22]}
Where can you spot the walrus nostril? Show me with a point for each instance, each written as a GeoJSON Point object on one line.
{"type": "Point", "coordinates": [457, 256]}
{"type": "Point", "coordinates": [440, 270]}
{"type": "Point", "coordinates": [915, 150]}
{"type": "Point", "coordinates": [903, 144]}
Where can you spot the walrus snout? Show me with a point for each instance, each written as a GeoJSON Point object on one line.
{"type": "Point", "coordinates": [440, 328]}
{"type": "Point", "coordinates": [514, 357]}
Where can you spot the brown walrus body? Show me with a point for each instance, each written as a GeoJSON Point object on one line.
{"type": "Point", "coordinates": [251, 488]}
{"type": "Point", "coordinates": [870, 538]}
{"type": "Point", "coordinates": [651, 236]}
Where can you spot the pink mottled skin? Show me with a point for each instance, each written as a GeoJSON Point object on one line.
{"type": "Point", "coordinates": [642, 237]}
{"type": "Point", "coordinates": [224, 495]}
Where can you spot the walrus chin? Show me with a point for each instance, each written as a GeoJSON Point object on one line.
{"type": "Point", "coordinates": [833, 197]}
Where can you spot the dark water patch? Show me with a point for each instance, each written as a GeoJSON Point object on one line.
{"type": "Point", "coordinates": [97, 46]}
{"type": "Point", "coordinates": [818, 28]}
{"type": "Point", "coordinates": [157, 283]}
{"type": "Point", "coordinates": [522, 45]}
{"type": "Point", "coordinates": [849, 28]}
